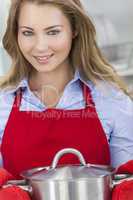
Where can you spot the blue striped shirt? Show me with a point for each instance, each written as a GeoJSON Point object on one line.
{"type": "Point", "coordinates": [115, 111]}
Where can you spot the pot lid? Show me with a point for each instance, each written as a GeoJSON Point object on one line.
{"type": "Point", "coordinates": [67, 172]}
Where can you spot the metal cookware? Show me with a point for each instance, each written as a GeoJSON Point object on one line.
{"type": "Point", "coordinates": [70, 182]}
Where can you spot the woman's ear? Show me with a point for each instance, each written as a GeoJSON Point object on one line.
{"type": "Point", "coordinates": [75, 33]}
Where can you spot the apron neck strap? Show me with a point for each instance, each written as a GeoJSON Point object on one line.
{"type": "Point", "coordinates": [18, 97]}
{"type": "Point", "coordinates": [87, 95]}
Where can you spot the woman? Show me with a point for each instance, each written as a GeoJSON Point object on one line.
{"type": "Point", "coordinates": [60, 92]}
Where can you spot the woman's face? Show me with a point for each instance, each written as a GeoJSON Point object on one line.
{"type": "Point", "coordinates": [44, 36]}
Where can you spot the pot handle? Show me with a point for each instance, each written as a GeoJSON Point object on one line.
{"type": "Point", "coordinates": [65, 151]}
{"type": "Point", "coordinates": [19, 183]}
{"type": "Point", "coordinates": [119, 178]}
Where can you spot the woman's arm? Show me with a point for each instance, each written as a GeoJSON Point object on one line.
{"type": "Point", "coordinates": [6, 101]}
{"type": "Point", "coordinates": [121, 140]}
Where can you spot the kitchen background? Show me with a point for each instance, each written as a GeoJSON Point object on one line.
{"type": "Point", "coordinates": [114, 25]}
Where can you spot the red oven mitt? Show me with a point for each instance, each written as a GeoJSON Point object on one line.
{"type": "Point", "coordinates": [124, 190]}
{"type": "Point", "coordinates": [10, 192]}
{"type": "Point", "coordinates": [126, 168]}
{"type": "Point", "coordinates": [4, 176]}
{"type": "Point", "coordinates": [13, 193]}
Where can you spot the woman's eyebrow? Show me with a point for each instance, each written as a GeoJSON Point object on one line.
{"type": "Point", "coordinates": [50, 27]}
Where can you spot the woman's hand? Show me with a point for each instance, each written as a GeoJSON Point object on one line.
{"type": "Point", "coordinates": [126, 168]}
{"type": "Point", "coordinates": [124, 190]}
{"type": "Point", "coordinates": [4, 176]}
{"type": "Point", "coordinates": [10, 192]}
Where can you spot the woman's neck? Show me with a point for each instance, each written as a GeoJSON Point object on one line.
{"type": "Point", "coordinates": [49, 87]}
{"type": "Point", "coordinates": [57, 79]}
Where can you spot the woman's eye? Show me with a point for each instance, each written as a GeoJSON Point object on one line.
{"type": "Point", "coordinates": [54, 32]}
{"type": "Point", "coordinates": [27, 33]}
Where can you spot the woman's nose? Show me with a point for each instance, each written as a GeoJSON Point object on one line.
{"type": "Point", "coordinates": [41, 43]}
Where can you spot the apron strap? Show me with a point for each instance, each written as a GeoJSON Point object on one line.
{"type": "Point", "coordinates": [18, 97]}
{"type": "Point", "coordinates": [87, 95]}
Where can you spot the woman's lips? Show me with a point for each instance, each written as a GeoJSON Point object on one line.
{"type": "Point", "coordinates": [43, 59]}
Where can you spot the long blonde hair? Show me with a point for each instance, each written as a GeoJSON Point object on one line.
{"type": "Point", "coordinates": [84, 55]}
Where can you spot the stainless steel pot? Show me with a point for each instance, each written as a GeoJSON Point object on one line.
{"type": "Point", "coordinates": [70, 182]}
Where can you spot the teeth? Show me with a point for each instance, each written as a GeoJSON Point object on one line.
{"type": "Point", "coordinates": [43, 58]}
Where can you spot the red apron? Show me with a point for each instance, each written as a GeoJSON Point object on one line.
{"type": "Point", "coordinates": [32, 138]}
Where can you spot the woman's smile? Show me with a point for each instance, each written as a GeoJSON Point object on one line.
{"type": "Point", "coordinates": [43, 59]}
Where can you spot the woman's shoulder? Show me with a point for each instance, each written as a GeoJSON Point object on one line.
{"type": "Point", "coordinates": [11, 89]}
{"type": "Point", "coordinates": [6, 100]}
{"type": "Point", "coordinates": [107, 90]}
{"type": "Point", "coordinates": [112, 97]}
{"type": "Point", "coordinates": [7, 94]}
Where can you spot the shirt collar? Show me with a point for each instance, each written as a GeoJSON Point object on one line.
{"type": "Point", "coordinates": [24, 83]}
{"type": "Point", "coordinates": [88, 83]}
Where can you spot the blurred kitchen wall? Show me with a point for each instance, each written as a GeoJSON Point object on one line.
{"type": "Point", "coordinates": [114, 25]}
{"type": "Point", "coordinates": [119, 12]}
{"type": "Point", "coordinates": [5, 61]}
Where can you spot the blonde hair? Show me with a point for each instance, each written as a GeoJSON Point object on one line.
{"type": "Point", "coordinates": [84, 55]}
